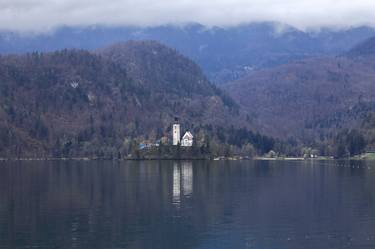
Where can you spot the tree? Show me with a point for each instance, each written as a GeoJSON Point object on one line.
{"type": "Point", "coordinates": [356, 142]}
{"type": "Point", "coordinates": [349, 143]}
{"type": "Point", "coordinates": [248, 150]}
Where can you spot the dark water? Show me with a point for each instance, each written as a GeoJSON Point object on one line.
{"type": "Point", "coordinates": [171, 205]}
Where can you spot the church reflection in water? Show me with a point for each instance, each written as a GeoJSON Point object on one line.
{"type": "Point", "coordinates": [182, 181]}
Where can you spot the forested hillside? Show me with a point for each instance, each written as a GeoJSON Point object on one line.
{"type": "Point", "coordinates": [312, 101]}
{"type": "Point", "coordinates": [73, 103]}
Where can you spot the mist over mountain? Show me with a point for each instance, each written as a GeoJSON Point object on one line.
{"type": "Point", "coordinates": [224, 54]}
{"type": "Point", "coordinates": [41, 15]}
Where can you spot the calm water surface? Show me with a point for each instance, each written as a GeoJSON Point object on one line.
{"type": "Point", "coordinates": [172, 205]}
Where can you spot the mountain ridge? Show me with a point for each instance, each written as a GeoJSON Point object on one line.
{"type": "Point", "coordinates": [241, 49]}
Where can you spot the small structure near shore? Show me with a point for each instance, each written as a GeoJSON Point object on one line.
{"type": "Point", "coordinates": [186, 141]}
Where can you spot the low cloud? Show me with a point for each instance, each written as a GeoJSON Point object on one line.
{"type": "Point", "coordinates": [44, 15]}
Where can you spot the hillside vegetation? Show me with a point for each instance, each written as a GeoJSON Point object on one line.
{"type": "Point", "coordinates": [73, 103]}
{"type": "Point", "coordinates": [311, 101]}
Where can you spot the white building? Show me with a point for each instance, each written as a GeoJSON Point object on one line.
{"type": "Point", "coordinates": [187, 139]}
{"type": "Point", "coordinates": [176, 134]}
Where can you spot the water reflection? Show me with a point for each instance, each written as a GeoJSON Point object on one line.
{"type": "Point", "coordinates": [187, 178]}
{"type": "Point", "coordinates": [182, 180]}
{"type": "Point", "coordinates": [168, 205]}
{"type": "Point", "coordinates": [176, 184]}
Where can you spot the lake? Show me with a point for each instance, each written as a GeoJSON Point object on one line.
{"type": "Point", "coordinates": [180, 205]}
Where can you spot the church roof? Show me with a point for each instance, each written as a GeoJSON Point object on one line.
{"type": "Point", "coordinates": [188, 135]}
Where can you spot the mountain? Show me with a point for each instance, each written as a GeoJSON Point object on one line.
{"type": "Point", "coordinates": [224, 54]}
{"type": "Point", "coordinates": [75, 103]}
{"type": "Point", "coordinates": [313, 99]}
{"type": "Point", "coordinates": [363, 49]}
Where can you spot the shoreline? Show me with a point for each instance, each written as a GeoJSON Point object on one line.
{"type": "Point", "coordinates": [190, 159]}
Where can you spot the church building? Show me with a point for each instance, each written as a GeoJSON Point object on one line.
{"type": "Point", "coordinates": [187, 139]}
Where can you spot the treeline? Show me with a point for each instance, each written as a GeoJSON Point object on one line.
{"type": "Point", "coordinates": [353, 142]}
{"type": "Point", "coordinates": [73, 103]}
{"type": "Point", "coordinates": [344, 144]}
{"type": "Point", "coordinates": [349, 143]}
{"type": "Point", "coordinates": [243, 137]}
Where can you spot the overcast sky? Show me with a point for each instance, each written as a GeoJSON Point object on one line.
{"type": "Point", "coordinates": [41, 15]}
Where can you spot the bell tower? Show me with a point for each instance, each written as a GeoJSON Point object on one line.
{"type": "Point", "coordinates": [176, 132]}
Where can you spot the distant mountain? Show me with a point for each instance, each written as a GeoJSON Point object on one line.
{"type": "Point", "coordinates": [223, 53]}
{"type": "Point", "coordinates": [74, 103]}
{"type": "Point", "coordinates": [313, 99]}
{"type": "Point", "coordinates": [363, 49]}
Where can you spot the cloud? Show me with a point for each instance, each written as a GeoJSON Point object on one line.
{"type": "Point", "coordinates": [44, 15]}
